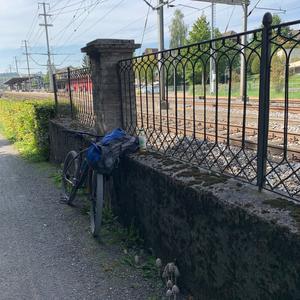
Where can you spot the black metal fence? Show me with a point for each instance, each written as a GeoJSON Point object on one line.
{"type": "Point", "coordinates": [73, 95]}
{"type": "Point", "coordinates": [230, 105]}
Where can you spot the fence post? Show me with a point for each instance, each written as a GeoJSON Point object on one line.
{"type": "Point", "coordinates": [70, 92]}
{"type": "Point", "coordinates": [105, 55]}
{"type": "Point", "coordinates": [264, 101]}
{"type": "Point", "coordinates": [55, 93]}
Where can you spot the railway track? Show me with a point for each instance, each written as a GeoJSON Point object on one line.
{"type": "Point", "coordinates": [275, 105]}
{"type": "Point", "coordinates": [204, 130]}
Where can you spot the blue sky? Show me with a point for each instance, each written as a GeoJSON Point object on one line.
{"type": "Point", "coordinates": [75, 23]}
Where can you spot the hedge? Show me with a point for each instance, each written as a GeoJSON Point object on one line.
{"type": "Point", "coordinates": [25, 123]}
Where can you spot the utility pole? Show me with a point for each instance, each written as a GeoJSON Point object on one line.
{"type": "Point", "coordinates": [244, 42]}
{"type": "Point", "coordinates": [27, 60]}
{"type": "Point", "coordinates": [160, 21]}
{"type": "Point", "coordinates": [161, 47]}
{"type": "Point", "coordinates": [10, 69]}
{"type": "Point", "coordinates": [212, 65]}
{"type": "Point", "coordinates": [16, 63]}
{"type": "Point", "coordinates": [46, 25]}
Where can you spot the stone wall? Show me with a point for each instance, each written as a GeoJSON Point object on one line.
{"type": "Point", "coordinates": [62, 140]}
{"type": "Point", "coordinates": [229, 241]}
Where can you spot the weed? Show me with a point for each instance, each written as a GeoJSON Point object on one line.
{"type": "Point", "coordinates": [57, 178]}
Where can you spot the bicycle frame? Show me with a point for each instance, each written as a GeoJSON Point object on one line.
{"type": "Point", "coordinates": [84, 169]}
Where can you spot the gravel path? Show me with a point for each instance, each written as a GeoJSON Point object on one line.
{"type": "Point", "coordinates": [46, 251]}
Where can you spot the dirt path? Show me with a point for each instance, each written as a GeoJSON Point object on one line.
{"type": "Point", "coordinates": [46, 251]}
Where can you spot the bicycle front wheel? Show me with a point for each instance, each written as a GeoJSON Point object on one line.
{"type": "Point", "coordinates": [70, 176]}
{"type": "Point", "coordinates": [97, 199]}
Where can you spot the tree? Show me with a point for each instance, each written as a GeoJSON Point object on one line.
{"type": "Point", "coordinates": [277, 72]}
{"type": "Point", "coordinates": [225, 51]}
{"type": "Point", "coordinates": [146, 68]}
{"type": "Point", "coordinates": [178, 33]}
{"type": "Point", "coordinates": [178, 30]}
{"type": "Point", "coordinates": [255, 64]}
{"type": "Point", "coordinates": [200, 32]}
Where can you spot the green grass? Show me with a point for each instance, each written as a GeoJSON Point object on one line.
{"type": "Point", "coordinates": [252, 89]}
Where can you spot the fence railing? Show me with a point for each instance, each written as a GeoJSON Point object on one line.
{"type": "Point", "coordinates": [224, 104]}
{"type": "Point", "coordinates": [73, 95]}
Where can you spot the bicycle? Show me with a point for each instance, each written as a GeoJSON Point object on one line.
{"type": "Point", "coordinates": [78, 174]}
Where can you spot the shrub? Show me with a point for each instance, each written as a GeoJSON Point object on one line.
{"type": "Point", "coordinates": [25, 123]}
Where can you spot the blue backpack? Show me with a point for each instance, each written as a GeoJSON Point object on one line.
{"type": "Point", "coordinates": [104, 156]}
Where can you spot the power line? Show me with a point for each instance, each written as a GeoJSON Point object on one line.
{"type": "Point", "coordinates": [61, 33]}
{"type": "Point", "coordinates": [37, 63]}
{"type": "Point", "coordinates": [76, 10]}
{"type": "Point", "coordinates": [100, 19]}
{"type": "Point", "coordinates": [105, 15]}
{"type": "Point", "coordinates": [37, 37]}
{"type": "Point", "coordinates": [55, 3]}
{"type": "Point", "coordinates": [67, 6]}
{"type": "Point", "coordinates": [60, 12]}
{"type": "Point", "coordinates": [127, 25]}
{"type": "Point", "coordinates": [31, 28]}
{"type": "Point", "coordinates": [77, 17]}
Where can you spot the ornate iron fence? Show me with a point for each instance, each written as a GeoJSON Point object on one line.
{"type": "Point", "coordinates": [73, 95]}
{"type": "Point", "coordinates": [224, 104]}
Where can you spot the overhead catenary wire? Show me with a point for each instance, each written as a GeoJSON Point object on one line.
{"type": "Point", "coordinates": [61, 33]}
{"type": "Point", "coordinates": [83, 10]}
{"type": "Point", "coordinates": [78, 17]}
{"type": "Point", "coordinates": [251, 11]}
{"type": "Point", "coordinates": [126, 26]}
{"type": "Point", "coordinates": [169, 19]}
{"type": "Point", "coordinates": [55, 3]}
{"type": "Point", "coordinates": [37, 63]}
{"type": "Point", "coordinates": [33, 23]}
{"type": "Point", "coordinates": [226, 28]}
{"type": "Point", "coordinates": [105, 15]}
{"type": "Point", "coordinates": [145, 26]}
{"type": "Point", "coordinates": [73, 10]}
{"type": "Point", "coordinates": [67, 6]}
{"type": "Point", "coordinates": [60, 11]}
{"type": "Point", "coordinates": [101, 18]}
{"type": "Point", "coordinates": [35, 40]}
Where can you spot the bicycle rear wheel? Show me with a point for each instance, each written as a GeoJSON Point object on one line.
{"type": "Point", "coordinates": [97, 199]}
{"type": "Point", "coordinates": [70, 176]}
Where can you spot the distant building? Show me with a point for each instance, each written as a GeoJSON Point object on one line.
{"type": "Point", "coordinates": [228, 33]}
{"type": "Point", "coordinates": [295, 34]}
{"type": "Point", "coordinates": [18, 83]}
{"type": "Point", "coordinates": [294, 58]}
{"type": "Point", "coordinates": [77, 84]}
{"type": "Point", "coordinates": [4, 77]}
{"type": "Point", "coordinates": [150, 51]}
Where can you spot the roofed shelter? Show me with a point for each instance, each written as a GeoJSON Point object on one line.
{"type": "Point", "coordinates": [18, 83]}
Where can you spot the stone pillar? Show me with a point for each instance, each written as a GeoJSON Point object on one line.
{"type": "Point", "coordinates": [105, 55]}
